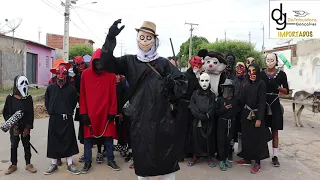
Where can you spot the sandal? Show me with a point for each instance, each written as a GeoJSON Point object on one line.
{"type": "Point", "coordinates": [191, 163]}
{"type": "Point", "coordinates": [211, 164]}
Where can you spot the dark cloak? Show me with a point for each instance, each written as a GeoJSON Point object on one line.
{"type": "Point", "coordinates": [184, 117]}
{"type": "Point", "coordinates": [62, 140]}
{"type": "Point", "coordinates": [152, 125]}
{"type": "Point", "coordinates": [275, 121]}
{"type": "Point", "coordinates": [254, 140]}
{"type": "Point", "coordinates": [202, 106]}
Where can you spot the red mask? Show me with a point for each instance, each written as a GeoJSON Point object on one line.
{"type": "Point", "coordinates": [79, 62]}
{"type": "Point", "coordinates": [252, 73]}
{"type": "Point", "coordinates": [196, 62]}
{"type": "Point", "coordinates": [240, 69]}
{"type": "Point", "coordinates": [62, 73]}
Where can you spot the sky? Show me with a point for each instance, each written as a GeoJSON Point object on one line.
{"type": "Point", "coordinates": [91, 21]}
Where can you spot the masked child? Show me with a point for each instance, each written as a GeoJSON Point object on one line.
{"type": "Point", "coordinates": [227, 109]}
{"type": "Point", "coordinates": [20, 100]}
{"type": "Point", "coordinates": [202, 107]}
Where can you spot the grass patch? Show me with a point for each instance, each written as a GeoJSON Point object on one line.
{"type": "Point", "coordinates": [32, 92]}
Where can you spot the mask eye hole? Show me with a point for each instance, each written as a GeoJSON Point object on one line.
{"type": "Point", "coordinates": [207, 80]}
{"type": "Point", "coordinates": [215, 62]}
{"type": "Point", "coordinates": [202, 80]}
{"type": "Point", "coordinates": [142, 37]}
{"type": "Point", "coordinates": [22, 82]}
{"type": "Point", "coordinates": [149, 38]}
{"type": "Point", "coordinates": [208, 62]}
{"type": "Point", "coordinates": [27, 83]}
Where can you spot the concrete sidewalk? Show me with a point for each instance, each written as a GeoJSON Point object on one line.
{"type": "Point", "coordinates": [299, 157]}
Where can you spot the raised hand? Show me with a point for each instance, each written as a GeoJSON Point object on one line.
{"type": "Point", "coordinates": [114, 30]}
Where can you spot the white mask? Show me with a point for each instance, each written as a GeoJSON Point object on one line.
{"type": "Point", "coordinates": [145, 41]}
{"type": "Point", "coordinates": [22, 84]}
{"type": "Point", "coordinates": [271, 60]}
{"type": "Point", "coordinates": [204, 81]}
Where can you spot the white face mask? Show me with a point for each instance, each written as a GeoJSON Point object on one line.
{"type": "Point", "coordinates": [271, 61]}
{"type": "Point", "coordinates": [145, 41]}
{"type": "Point", "coordinates": [22, 86]}
{"type": "Point", "coordinates": [204, 81]}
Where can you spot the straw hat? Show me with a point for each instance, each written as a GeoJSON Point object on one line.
{"type": "Point", "coordinates": [148, 27]}
{"type": "Point", "coordinates": [57, 63]}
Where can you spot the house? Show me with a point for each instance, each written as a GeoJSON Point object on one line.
{"type": "Point", "coordinates": [24, 57]}
{"type": "Point", "coordinates": [56, 41]}
{"type": "Point", "coordinates": [306, 74]}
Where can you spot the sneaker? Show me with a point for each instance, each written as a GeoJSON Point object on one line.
{"type": "Point", "coordinates": [228, 163]}
{"type": "Point", "coordinates": [275, 161]}
{"type": "Point", "coordinates": [128, 158]}
{"type": "Point", "coordinates": [31, 169]}
{"type": "Point", "coordinates": [222, 166]}
{"type": "Point", "coordinates": [255, 169]}
{"type": "Point", "coordinates": [86, 168]}
{"type": "Point", "coordinates": [113, 166]}
{"type": "Point", "coordinates": [104, 153]}
{"type": "Point", "coordinates": [71, 168]}
{"type": "Point", "coordinates": [52, 168]}
{"type": "Point", "coordinates": [59, 162]}
{"type": "Point", "coordinates": [81, 159]}
{"type": "Point", "coordinates": [11, 169]}
{"type": "Point", "coordinates": [99, 158]}
{"type": "Point", "coordinates": [243, 162]}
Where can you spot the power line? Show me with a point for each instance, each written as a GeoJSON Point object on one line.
{"type": "Point", "coordinates": [52, 7]}
{"type": "Point", "coordinates": [86, 25]}
{"type": "Point", "coordinates": [180, 4]}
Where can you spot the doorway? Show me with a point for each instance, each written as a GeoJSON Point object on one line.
{"type": "Point", "coordinates": [31, 68]}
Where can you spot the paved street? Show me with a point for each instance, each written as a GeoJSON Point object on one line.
{"type": "Point", "coordinates": [299, 157]}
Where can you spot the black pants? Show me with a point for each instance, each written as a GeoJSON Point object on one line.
{"type": "Point", "coordinates": [225, 133]}
{"type": "Point", "coordinates": [14, 147]}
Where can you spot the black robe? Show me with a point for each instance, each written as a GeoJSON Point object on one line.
{"type": "Point", "coordinates": [275, 121]}
{"type": "Point", "coordinates": [62, 140]}
{"type": "Point", "coordinates": [240, 82]}
{"type": "Point", "coordinates": [12, 105]}
{"type": "Point", "coordinates": [152, 125]}
{"type": "Point", "coordinates": [254, 139]}
{"type": "Point", "coordinates": [202, 106]}
{"type": "Point", "coordinates": [77, 80]}
{"type": "Point", "coordinates": [184, 117]}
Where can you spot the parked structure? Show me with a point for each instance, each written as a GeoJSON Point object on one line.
{"type": "Point", "coordinates": [24, 57]}
{"type": "Point", "coordinates": [56, 41]}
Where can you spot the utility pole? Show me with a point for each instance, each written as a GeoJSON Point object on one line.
{"type": "Point", "coordinates": [39, 32]}
{"type": "Point", "coordinates": [121, 46]}
{"type": "Point", "coordinates": [225, 35]}
{"type": "Point", "coordinates": [66, 31]}
{"type": "Point", "coordinates": [249, 36]}
{"type": "Point", "coordinates": [262, 37]}
{"type": "Point", "coordinates": [190, 45]}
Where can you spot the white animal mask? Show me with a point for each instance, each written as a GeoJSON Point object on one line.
{"type": "Point", "coordinates": [213, 66]}
{"type": "Point", "coordinates": [271, 60]}
{"type": "Point", "coordinates": [204, 81]}
{"type": "Point", "coordinates": [22, 84]}
{"type": "Point", "coordinates": [145, 41]}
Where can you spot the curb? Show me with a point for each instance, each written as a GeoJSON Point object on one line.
{"type": "Point", "coordinates": [34, 98]}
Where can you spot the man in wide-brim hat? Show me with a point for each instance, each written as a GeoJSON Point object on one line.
{"type": "Point", "coordinates": [154, 84]}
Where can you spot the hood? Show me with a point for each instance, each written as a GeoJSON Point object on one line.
{"type": "Point", "coordinates": [257, 67]}
{"type": "Point", "coordinates": [96, 55]}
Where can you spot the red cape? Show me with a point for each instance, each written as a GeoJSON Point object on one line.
{"type": "Point", "coordinates": [98, 99]}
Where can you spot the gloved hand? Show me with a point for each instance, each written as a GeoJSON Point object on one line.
{"type": "Point", "coordinates": [85, 119]}
{"type": "Point", "coordinates": [169, 82]}
{"type": "Point", "coordinates": [273, 83]}
{"type": "Point", "coordinates": [114, 30]}
{"type": "Point", "coordinates": [111, 117]}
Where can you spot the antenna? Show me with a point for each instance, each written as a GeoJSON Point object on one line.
{"type": "Point", "coordinates": [11, 26]}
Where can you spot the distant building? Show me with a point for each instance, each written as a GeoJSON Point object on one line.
{"type": "Point", "coordinates": [56, 41]}
{"type": "Point", "coordinates": [24, 57]}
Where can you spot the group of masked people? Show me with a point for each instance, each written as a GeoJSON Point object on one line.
{"type": "Point", "coordinates": [161, 111]}
{"type": "Point", "coordinates": [245, 107]}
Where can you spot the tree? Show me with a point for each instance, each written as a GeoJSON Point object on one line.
{"type": "Point", "coordinates": [184, 49]}
{"type": "Point", "coordinates": [241, 49]}
{"type": "Point", "coordinates": [80, 50]}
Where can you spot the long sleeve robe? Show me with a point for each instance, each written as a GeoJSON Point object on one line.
{"type": "Point", "coordinates": [152, 127]}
